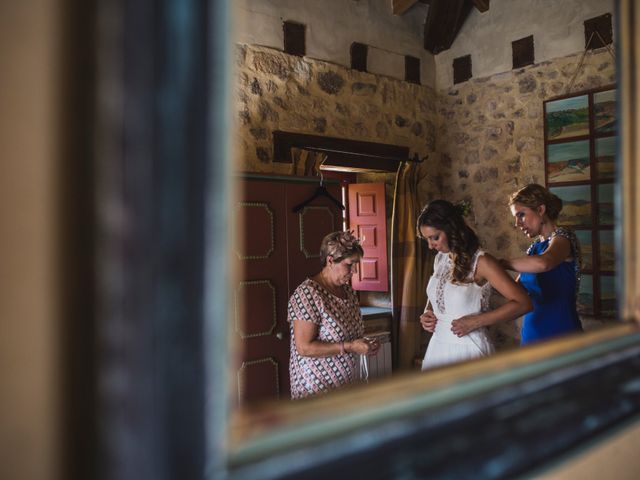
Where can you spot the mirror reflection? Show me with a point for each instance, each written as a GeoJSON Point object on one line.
{"type": "Point", "coordinates": [347, 129]}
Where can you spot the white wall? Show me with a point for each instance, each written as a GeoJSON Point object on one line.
{"type": "Point", "coordinates": [557, 27]}
{"type": "Point", "coordinates": [333, 25]}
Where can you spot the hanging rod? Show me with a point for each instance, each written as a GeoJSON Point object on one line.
{"type": "Point", "coordinates": [416, 158]}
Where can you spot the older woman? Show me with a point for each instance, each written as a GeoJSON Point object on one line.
{"type": "Point", "coordinates": [326, 323]}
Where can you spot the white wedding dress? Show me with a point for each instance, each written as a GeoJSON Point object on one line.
{"type": "Point", "coordinates": [450, 302]}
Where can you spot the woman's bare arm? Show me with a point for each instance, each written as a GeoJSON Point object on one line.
{"type": "Point", "coordinates": [518, 302]}
{"type": "Point", "coordinates": [558, 251]}
{"type": "Point", "coordinates": [308, 345]}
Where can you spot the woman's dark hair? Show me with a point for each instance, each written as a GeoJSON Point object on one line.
{"type": "Point", "coordinates": [463, 241]}
{"type": "Point", "coordinates": [534, 195]}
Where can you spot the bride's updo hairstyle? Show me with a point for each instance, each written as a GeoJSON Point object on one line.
{"type": "Point", "coordinates": [463, 241]}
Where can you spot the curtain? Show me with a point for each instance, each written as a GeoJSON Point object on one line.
{"type": "Point", "coordinates": [411, 266]}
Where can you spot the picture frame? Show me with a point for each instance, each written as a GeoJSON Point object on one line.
{"type": "Point", "coordinates": [605, 157]}
{"type": "Point", "coordinates": [576, 204]}
{"type": "Point", "coordinates": [605, 203]}
{"type": "Point", "coordinates": [585, 298]}
{"type": "Point", "coordinates": [607, 254]}
{"type": "Point", "coordinates": [586, 248]}
{"type": "Point", "coordinates": [581, 145]}
{"type": "Point", "coordinates": [568, 162]}
{"type": "Point", "coordinates": [604, 108]}
{"type": "Point", "coordinates": [608, 297]}
{"type": "Point", "coordinates": [567, 117]}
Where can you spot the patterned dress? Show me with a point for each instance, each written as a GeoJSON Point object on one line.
{"type": "Point", "coordinates": [451, 301]}
{"type": "Point", "coordinates": [338, 320]}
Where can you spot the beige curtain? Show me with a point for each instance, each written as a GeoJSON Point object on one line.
{"type": "Point", "coordinates": [411, 266]}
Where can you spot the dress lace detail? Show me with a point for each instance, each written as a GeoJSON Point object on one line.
{"type": "Point", "coordinates": [452, 301]}
{"type": "Point", "coordinates": [486, 288]}
{"type": "Point", "coordinates": [443, 273]}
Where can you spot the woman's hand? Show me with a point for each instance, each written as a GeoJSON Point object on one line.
{"type": "Point", "coordinates": [428, 321]}
{"type": "Point", "coordinates": [362, 346]}
{"type": "Point", "coordinates": [464, 325]}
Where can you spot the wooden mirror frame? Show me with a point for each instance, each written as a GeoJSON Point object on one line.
{"type": "Point", "coordinates": [168, 414]}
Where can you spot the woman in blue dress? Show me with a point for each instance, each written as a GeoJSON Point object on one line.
{"type": "Point", "coordinates": [550, 272]}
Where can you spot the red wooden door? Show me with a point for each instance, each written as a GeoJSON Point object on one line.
{"type": "Point", "coordinates": [368, 218]}
{"type": "Point", "coordinates": [276, 249]}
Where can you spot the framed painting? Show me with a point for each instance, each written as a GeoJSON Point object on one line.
{"type": "Point", "coordinates": [567, 117]}
{"type": "Point", "coordinates": [568, 162]}
{"type": "Point", "coordinates": [607, 253]}
{"type": "Point", "coordinates": [605, 204]}
{"type": "Point", "coordinates": [576, 200]}
{"type": "Point", "coordinates": [581, 146]}
{"type": "Point", "coordinates": [606, 149]}
{"type": "Point", "coordinates": [585, 295]}
{"type": "Point", "coordinates": [604, 109]}
{"type": "Point", "coordinates": [586, 248]}
{"type": "Point", "coordinates": [608, 298]}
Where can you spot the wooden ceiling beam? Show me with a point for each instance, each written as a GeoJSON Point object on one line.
{"type": "Point", "coordinates": [444, 20]}
{"type": "Point", "coordinates": [401, 6]}
{"type": "Point", "coordinates": [481, 5]}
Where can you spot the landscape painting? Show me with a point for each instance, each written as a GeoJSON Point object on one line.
{"type": "Point", "coordinates": [606, 157]}
{"type": "Point", "coordinates": [568, 162]}
{"type": "Point", "coordinates": [608, 299]}
{"type": "Point", "coordinates": [586, 248]}
{"type": "Point", "coordinates": [585, 295]}
{"type": "Point", "coordinates": [605, 204]}
{"type": "Point", "coordinates": [604, 109]}
{"type": "Point", "coordinates": [576, 202]}
{"type": "Point", "coordinates": [607, 250]}
{"type": "Point", "coordinates": [568, 117]}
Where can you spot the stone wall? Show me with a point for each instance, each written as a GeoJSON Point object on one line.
{"type": "Point", "coordinates": [277, 91]}
{"type": "Point", "coordinates": [484, 138]}
{"type": "Point", "coordinates": [490, 138]}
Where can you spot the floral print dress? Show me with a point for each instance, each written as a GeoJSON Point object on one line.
{"type": "Point", "coordinates": [338, 320]}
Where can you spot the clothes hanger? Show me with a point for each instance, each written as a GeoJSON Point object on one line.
{"type": "Point", "coordinates": [321, 191]}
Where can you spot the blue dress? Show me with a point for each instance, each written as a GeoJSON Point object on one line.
{"type": "Point", "coordinates": [553, 294]}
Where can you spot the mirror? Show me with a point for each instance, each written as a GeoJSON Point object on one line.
{"type": "Point", "coordinates": [484, 138]}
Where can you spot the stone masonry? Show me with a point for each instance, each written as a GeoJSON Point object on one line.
{"type": "Point", "coordinates": [484, 137]}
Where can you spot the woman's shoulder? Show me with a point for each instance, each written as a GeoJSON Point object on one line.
{"type": "Point", "coordinates": [480, 254]}
{"type": "Point", "coordinates": [564, 232]}
{"type": "Point", "coordinates": [307, 285]}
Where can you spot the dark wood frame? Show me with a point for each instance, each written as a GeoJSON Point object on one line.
{"type": "Point", "coordinates": [594, 183]}
{"type": "Point", "coordinates": [152, 422]}
{"type": "Point", "coordinates": [342, 151]}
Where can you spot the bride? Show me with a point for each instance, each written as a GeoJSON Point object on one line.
{"type": "Point", "coordinates": [458, 291]}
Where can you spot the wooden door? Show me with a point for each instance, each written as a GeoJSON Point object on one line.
{"type": "Point", "coordinates": [277, 249]}
{"type": "Point", "coordinates": [307, 228]}
{"type": "Point", "coordinates": [261, 294]}
{"type": "Point", "coordinates": [368, 218]}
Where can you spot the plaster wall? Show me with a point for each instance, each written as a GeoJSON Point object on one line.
{"type": "Point", "coordinates": [333, 25]}
{"type": "Point", "coordinates": [557, 28]}
{"type": "Point", "coordinates": [30, 43]}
